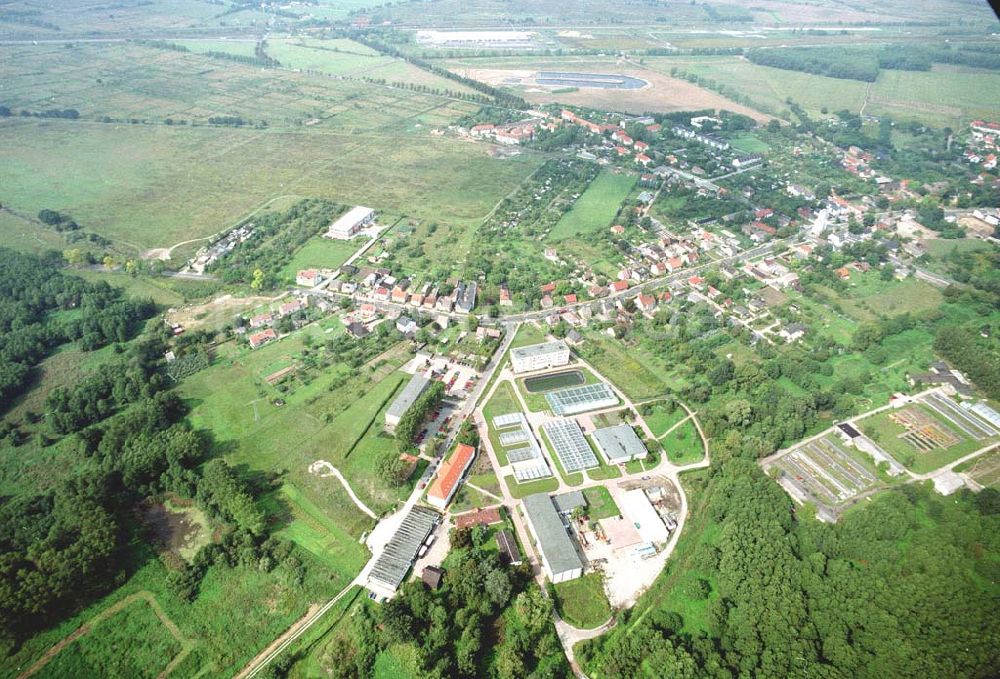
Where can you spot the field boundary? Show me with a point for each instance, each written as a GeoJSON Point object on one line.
{"type": "Point", "coordinates": [86, 628]}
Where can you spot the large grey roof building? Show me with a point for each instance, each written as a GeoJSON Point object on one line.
{"type": "Point", "coordinates": [559, 556]}
{"type": "Point", "coordinates": [394, 563]}
{"type": "Point", "coordinates": [417, 385]}
{"type": "Point", "coordinates": [619, 444]}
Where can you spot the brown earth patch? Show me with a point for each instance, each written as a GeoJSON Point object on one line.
{"type": "Point", "coordinates": [663, 94]}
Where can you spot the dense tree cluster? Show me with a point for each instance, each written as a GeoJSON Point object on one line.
{"type": "Point", "coordinates": [485, 621]}
{"type": "Point", "coordinates": [411, 421]}
{"type": "Point", "coordinates": [32, 293]}
{"type": "Point", "coordinates": [972, 353]}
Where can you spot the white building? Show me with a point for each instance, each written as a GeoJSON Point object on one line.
{"type": "Point", "coordinates": [560, 560]}
{"type": "Point", "coordinates": [348, 225]}
{"type": "Point", "coordinates": [637, 508]}
{"type": "Point", "coordinates": [539, 356]}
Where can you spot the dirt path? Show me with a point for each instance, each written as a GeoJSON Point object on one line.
{"type": "Point", "coordinates": [323, 469]}
{"type": "Point", "coordinates": [186, 645]}
{"type": "Point", "coordinates": [291, 633]}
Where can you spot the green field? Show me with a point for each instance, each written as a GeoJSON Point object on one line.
{"type": "Point", "coordinates": [683, 444]}
{"type": "Point", "coordinates": [594, 210]}
{"type": "Point", "coordinates": [600, 504]}
{"type": "Point", "coordinates": [945, 95]}
{"type": "Point", "coordinates": [582, 602]}
{"type": "Point", "coordinates": [148, 184]}
{"type": "Point", "coordinates": [630, 369]}
{"type": "Point", "coordinates": [747, 143]}
{"type": "Point", "coordinates": [660, 420]}
{"type": "Point", "coordinates": [149, 643]}
{"type": "Point", "coordinates": [985, 469]}
{"type": "Point", "coordinates": [321, 253]}
{"type": "Point", "coordinates": [522, 490]}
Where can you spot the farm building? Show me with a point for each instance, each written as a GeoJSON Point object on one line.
{"type": "Point", "coordinates": [348, 225]}
{"type": "Point", "coordinates": [449, 476]}
{"type": "Point", "coordinates": [417, 385]}
{"type": "Point", "coordinates": [539, 356]}
{"type": "Point", "coordinates": [619, 444]}
{"type": "Point", "coordinates": [560, 560]}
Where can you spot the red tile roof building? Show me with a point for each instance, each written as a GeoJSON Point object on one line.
{"type": "Point", "coordinates": [449, 476]}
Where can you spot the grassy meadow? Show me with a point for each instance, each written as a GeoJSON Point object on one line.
{"type": "Point", "coordinates": [594, 210]}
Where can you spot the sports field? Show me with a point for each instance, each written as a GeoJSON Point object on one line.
{"type": "Point", "coordinates": [595, 209]}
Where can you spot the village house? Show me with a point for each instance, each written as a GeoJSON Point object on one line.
{"type": "Point", "coordinates": [259, 339]}
{"type": "Point", "coordinates": [308, 278]}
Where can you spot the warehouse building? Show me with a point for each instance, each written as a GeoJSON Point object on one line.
{"type": "Point", "coordinates": [348, 225]}
{"type": "Point", "coordinates": [620, 444]}
{"type": "Point", "coordinates": [560, 560]}
{"type": "Point", "coordinates": [539, 356]}
{"type": "Point", "coordinates": [417, 386]}
{"type": "Point", "coordinates": [637, 508]}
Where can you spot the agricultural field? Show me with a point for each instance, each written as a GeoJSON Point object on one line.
{"type": "Point", "coordinates": [594, 210]}
{"type": "Point", "coordinates": [825, 471]}
{"type": "Point", "coordinates": [944, 96]}
{"type": "Point", "coordinates": [319, 139]}
{"type": "Point", "coordinates": [984, 470]}
{"type": "Point", "coordinates": [930, 433]}
{"type": "Point", "coordinates": [662, 94]}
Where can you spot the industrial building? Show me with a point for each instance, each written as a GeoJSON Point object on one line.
{"type": "Point", "coordinates": [619, 444]}
{"type": "Point", "coordinates": [417, 386]}
{"type": "Point", "coordinates": [401, 551]}
{"type": "Point", "coordinates": [349, 224]}
{"type": "Point", "coordinates": [539, 356]}
{"type": "Point", "coordinates": [575, 400]}
{"type": "Point", "coordinates": [560, 560]}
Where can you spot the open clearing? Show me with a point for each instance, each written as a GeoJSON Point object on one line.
{"type": "Point", "coordinates": [984, 470]}
{"type": "Point", "coordinates": [147, 184]}
{"type": "Point", "coordinates": [663, 95]}
{"type": "Point", "coordinates": [594, 210]}
{"type": "Point", "coordinates": [582, 602]}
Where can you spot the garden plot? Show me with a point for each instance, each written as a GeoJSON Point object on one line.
{"type": "Point", "coordinates": [923, 432]}
{"type": "Point", "coordinates": [823, 471]}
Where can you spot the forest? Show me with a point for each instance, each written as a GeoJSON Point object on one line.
{"type": "Point", "coordinates": [485, 620]}
{"type": "Point", "coordinates": [41, 308]}
{"type": "Point", "coordinates": [905, 588]}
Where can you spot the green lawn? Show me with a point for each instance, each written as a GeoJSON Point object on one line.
{"type": "Point", "coordinates": [321, 253]}
{"type": "Point", "coordinates": [683, 445]}
{"type": "Point", "coordinates": [582, 602]}
{"type": "Point", "coordinates": [748, 143]}
{"type": "Point", "coordinates": [660, 420]}
{"type": "Point", "coordinates": [600, 504]}
{"type": "Point", "coordinates": [502, 403]}
{"type": "Point", "coordinates": [520, 490]}
{"type": "Point", "coordinates": [594, 210]}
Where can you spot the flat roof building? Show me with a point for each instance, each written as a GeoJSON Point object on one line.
{"type": "Point", "coordinates": [418, 385]}
{"type": "Point", "coordinates": [560, 560]}
{"type": "Point", "coordinates": [539, 356]}
{"type": "Point", "coordinates": [349, 224]}
{"type": "Point", "coordinates": [619, 444]}
{"type": "Point", "coordinates": [637, 508]}
{"type": "Point", "coordinates": [449, 476]}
